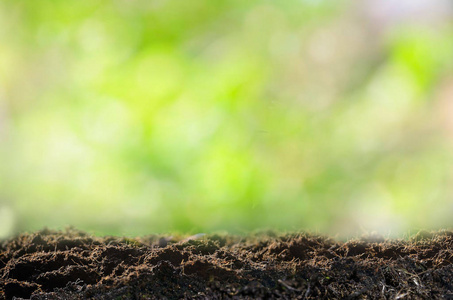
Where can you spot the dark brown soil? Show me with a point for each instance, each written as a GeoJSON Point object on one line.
{"type": "Point", "coordinates": [75, 265]}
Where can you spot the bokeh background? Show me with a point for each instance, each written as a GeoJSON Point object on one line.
{"type": "Point", "coordinates": [133, 117]}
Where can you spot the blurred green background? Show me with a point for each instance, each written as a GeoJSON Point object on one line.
{"type": "Point", "coordinates": [133, 117]}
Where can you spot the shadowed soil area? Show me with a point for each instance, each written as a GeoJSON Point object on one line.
{"type": "Point", "coordinates": [74, 265]}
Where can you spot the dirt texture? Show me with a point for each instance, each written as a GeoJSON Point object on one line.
{"type": "Point", "coordinates": [74, 265]}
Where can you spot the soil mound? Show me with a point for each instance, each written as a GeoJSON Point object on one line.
{"type": "Point", "coordinates": [74, 265]}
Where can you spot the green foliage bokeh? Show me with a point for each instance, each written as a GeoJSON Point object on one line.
{"type": "Point", "coordinates": [133, 117]}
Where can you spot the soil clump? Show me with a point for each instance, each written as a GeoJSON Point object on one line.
{"type": "Point", "coordinates": [74, 265]}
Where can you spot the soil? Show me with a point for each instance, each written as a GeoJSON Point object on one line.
{"type": "Point", "coordinates": [74, 265]}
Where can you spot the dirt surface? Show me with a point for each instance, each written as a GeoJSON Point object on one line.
{"type": "Point", "coordinates": [75, 265]}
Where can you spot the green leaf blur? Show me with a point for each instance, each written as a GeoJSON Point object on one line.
{"type": "Point", "coordinates": [135, 117]}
